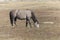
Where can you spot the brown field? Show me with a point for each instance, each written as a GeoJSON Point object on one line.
{"type": "Point", "coordinates": [48, 12]}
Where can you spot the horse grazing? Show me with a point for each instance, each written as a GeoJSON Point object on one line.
{"type": "Point", "coordinates": [23, 15]}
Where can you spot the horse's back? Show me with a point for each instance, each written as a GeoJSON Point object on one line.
{"type": "Point", "coordinates": [24, 13]}
{"type": "Point", "coordinates": [21, 13]}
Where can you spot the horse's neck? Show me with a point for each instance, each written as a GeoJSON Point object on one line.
{"type": "Point", "coordinates": [34, 18]}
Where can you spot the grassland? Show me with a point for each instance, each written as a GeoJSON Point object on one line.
{"type": "Point", "coordinates": [44, 11]}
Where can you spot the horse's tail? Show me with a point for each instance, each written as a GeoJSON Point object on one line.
{"type": "Point", "coordinates": [11, 18]}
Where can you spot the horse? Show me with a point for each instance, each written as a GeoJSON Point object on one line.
{"type": "Point", "coordinates": [23, 15]}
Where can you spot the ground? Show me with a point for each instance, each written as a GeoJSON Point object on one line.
{"type": "Point", "coordinates": [46, 31]}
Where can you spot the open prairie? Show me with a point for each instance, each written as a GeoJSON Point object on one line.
{"type": "Point", "coordinates": [48, 15]}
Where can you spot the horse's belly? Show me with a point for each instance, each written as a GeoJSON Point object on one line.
{"type": "Point", "coordinates": [21, 16]}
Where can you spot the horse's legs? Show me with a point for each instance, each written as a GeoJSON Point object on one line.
{"type": "Point", "coordinates": [27, 21]}
{"type": "Point", "coordinates": [15, 20]}
{"type": "Point", "coordinates": [30, 23]}
{"type": "Point", "coordinates": [11, 20]}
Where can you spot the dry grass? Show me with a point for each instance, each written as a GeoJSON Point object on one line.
{"type": "Point", "coordinates": [20, 32]}
{"type": "Point", "coordinates": [30, 5]}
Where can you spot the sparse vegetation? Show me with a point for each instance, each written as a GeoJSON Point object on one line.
{"type": "Point", "coordinates": [45, 12]}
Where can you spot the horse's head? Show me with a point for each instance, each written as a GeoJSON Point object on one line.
{"type": "Point", "coordinates": [37, 24]}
